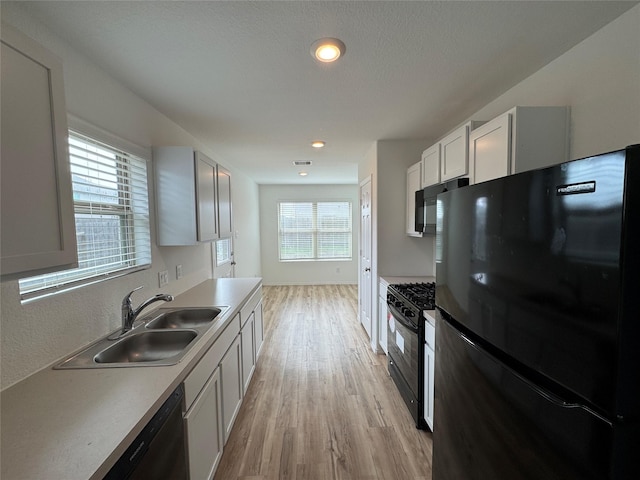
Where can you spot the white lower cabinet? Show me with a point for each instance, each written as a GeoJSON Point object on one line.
{"type": "Point", "coordinates": [247, 340]}
{"type": "Point", "coordinates": [382, 317]}
{"type": "Point", "coordinates": [215, 388]}
{"type": "Point", "coordinates": [429, 373]}
{"type": "Point", "coordinates": [231, 377]}
{"type": "Point", "coordinates": [259, 329]}
{"type": "Point", "coordinates": [203, 424]}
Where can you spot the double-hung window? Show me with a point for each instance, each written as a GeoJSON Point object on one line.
{"type": "Point", "coordinates": [111, 205]}
{"type": "Point", "coordinates": [315, 230]}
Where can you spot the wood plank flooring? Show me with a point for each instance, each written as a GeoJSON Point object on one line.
{"type": "Point", "coordinates": [321, 404]}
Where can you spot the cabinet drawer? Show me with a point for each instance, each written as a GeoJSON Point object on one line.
{"type": "Point", "coordinates": [250, 306]}
{"type": "Point", "coordinates": [202, 371]}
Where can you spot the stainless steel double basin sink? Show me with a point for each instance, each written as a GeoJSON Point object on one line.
{"type": "Point", "coordinates": [161, 338]}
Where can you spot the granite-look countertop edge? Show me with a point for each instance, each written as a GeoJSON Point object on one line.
{"type": "Point", "coordinates": [61, 424]}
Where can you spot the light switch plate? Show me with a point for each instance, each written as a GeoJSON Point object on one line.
{"type": "Point", "coordinates": [178, 272]}
{"type": "Point", "coordinates": [163, 278]}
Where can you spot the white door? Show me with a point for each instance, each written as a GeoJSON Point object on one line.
{"type": "Point", "coordinates": [366, 287]}
{"type": "Point", "coordinates": [223, 258]}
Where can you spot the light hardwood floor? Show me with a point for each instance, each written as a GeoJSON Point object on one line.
{"type": "Point", "coordinates": [321, 404]}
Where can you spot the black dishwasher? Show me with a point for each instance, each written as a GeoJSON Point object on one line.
{"type": "Point", "coordinates": [158, 452]}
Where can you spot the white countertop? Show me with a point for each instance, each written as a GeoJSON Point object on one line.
{"type": "Point", "coordinates": [74, 424]}
{"type": "Point", "coordinates": [430, 317]}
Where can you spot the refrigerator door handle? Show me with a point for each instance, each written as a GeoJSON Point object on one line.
{"type": "Point", "coordinates": [550, 397]}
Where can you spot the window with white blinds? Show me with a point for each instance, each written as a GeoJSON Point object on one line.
{"type": "Point", "coordinates": [314, 231]}
{"type": "Point", "coordinates": [111, 204]}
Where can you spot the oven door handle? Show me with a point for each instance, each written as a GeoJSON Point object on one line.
{"type": "Point", "coordinates": [400, 319]}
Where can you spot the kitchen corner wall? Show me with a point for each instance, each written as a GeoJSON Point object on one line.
{"type": "Point", "coordinates": [40, 333]}
{"type": "Point", "coordinates": [304, 273]}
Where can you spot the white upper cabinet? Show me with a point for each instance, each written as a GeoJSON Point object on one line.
{"type": "Point", "coordinates": [431, 166]}
{"type": "Point", "coordinates": [206, 206]}
{"type": "Point", "coordinates": [454, 154]}
{"type": "Point", "coordinates": [37, 218]}
{"type": "Point", "coordinates": [449, 158]}
{"type": "Point", "coordinates": [193, 197]}
{"type": "Point", "coordinates": [490, 149]}
{"type": "Point", "coordinates": [186, 208]}
{"type": "Point", "coordinates": [524, 138]}
{"type": "Point", "coordinates": [414, 178]}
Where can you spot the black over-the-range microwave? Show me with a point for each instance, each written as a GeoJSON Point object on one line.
{"type": "Point", "coordinates": [426, 204]}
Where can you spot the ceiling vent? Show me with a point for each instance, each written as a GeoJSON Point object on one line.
{"type": "Point", "coordinates": [302, 163]}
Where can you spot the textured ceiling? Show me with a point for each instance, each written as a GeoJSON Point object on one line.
{"type": "Point", "coordinates": [239, 77]}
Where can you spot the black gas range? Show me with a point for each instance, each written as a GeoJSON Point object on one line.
{"type": "Point", "coordinates": [412, 298]}
{"type": "Point", "coordinates": [405, 340]}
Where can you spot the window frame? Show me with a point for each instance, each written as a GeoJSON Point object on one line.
{"type": "Point", "coordinates": [315, 231]}
{"type": "Point", "coordinates": [80, 206]}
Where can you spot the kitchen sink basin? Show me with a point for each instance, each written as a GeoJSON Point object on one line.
{"type": "Point", "coordinates": [162, 338]}
{"type": "Point", "coordinates": [147, 346]}
{"type": "Point", "coordinates": [184, 318]}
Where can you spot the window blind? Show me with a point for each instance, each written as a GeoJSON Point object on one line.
{"type": "Point", "coordinates": [314, 230]}
{"type": "Point", "coordinates": [111, 204]}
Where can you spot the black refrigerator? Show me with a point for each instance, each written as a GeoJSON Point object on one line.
{"type": "Point", "coordinates": [537, 369]}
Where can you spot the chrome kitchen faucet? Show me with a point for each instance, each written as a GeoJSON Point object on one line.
{"type": "Point", "coordinates": [129, 314]}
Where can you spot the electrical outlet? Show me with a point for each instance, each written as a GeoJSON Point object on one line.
{"type": "Point", "coordinates": [163, 278]}
{"type": "Point", "coordinates": [178, 272]}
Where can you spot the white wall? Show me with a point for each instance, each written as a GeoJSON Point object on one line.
{"type": "Point", "coordinates": [599, 79]}
{"type": "Point", "coordinates": [399, 254]}
{"type": "Point", "coordinates": [275, 272]}
{"type": "Point", "coordinates": [40, 333]}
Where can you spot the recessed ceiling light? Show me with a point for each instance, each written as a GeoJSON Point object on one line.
{"type": "Point", "coordinates": [317, 144]}
{"type": "Point", "coordinates": [303, 174]}
{"type": "Point", "coordinates": [327, 49]}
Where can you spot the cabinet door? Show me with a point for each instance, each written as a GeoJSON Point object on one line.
{"type": "Point", "coordinates": [231, 378]}
{"type": "Point", "coordinates": [206, 198]}
{"type": "Point", "coordinates": [431, 166]}
{"type": "Point", "coordinates": [382, 323]}
{"type": "Point", "coordinates": [259, 330]}
{"type": "Point", "coordinates": [247, 337]}
{"type": "Point", "coordinates": [490, 149]}
{"type": "Point", "coordinates": [225, 218]}
{"type": "Point", "coordinates": [204, 430]}
{"type": "Point", "coordinates": [454, 154]}
{"type": "Point", "coordinates": [414, 179]}
{"type": "Point", "coordinates": [429, 391]}
{"type": "Point", "coordinates": [37, 219]}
